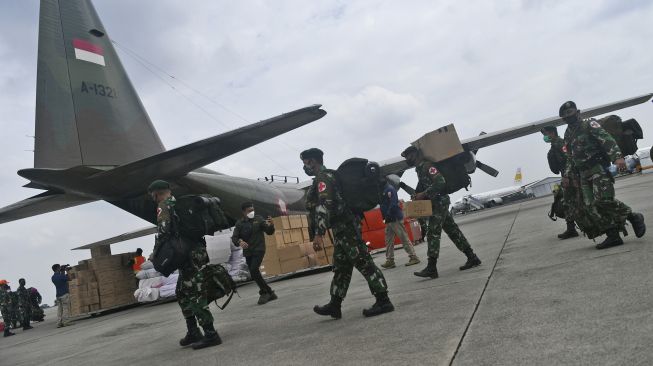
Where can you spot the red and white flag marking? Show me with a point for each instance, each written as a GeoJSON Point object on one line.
{"type": "Point", "coordinates": [87, 51]}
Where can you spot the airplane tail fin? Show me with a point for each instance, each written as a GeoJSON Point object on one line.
{"type": "Point", "coordinates": [518, 177]}
{"type": "Point", "coordinates": [87, 111]}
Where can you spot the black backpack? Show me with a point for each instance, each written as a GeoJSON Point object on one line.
{"type": "Point", "coordinates": [454, 172]}
{"type": "Point", "coordinates": [199, 215]}
{"type": "Point", "coordinates": [360, 184]}
{"type": "Point", "coordinates": [626, 133]}
{"type": "Point", "coordinates": [171, 255]}
{"type": "Point", "coordinates": [555, 164]}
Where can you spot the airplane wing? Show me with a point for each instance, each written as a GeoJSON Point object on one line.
{"type": "Point", "coordinates": [42, 203]}
{"type": "Point", "coordinates": [493, 138]}
{"type": "Point", "coordinates": [398, 165]}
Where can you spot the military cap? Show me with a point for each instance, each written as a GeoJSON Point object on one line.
{"type": "Point", "coordinates": [566, 105]}
{"type": "Point", "coordinates": [409, 149]}
{"type": "Point", "coordinates": [312, 153]}
{"type": "Point", "coordinates": [158, 185]}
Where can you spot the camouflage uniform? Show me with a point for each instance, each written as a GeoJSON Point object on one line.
{"type": "Point", "coordinates": [16, 319]}
{"type": "Point", "coordinates": [434, 185]}
{"type": "Point", "coordinates": [558, 150]}
{"type": "Point", "coordinates": [24, 305]}
{"type": "Point", "coordinates": [589, 150]}
{"type": "Point", "coordinates": [187, 291]}
{"type": "Point", "coordinates": [5, 308]}
{"type": "Point", "coordinates": [327, 210]}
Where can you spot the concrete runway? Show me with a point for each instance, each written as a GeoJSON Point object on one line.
{"type": "Point", "coordinates": [535, 300]}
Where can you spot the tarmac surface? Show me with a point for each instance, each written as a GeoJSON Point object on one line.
{"type": "Point", "coordinates": [535, 300]}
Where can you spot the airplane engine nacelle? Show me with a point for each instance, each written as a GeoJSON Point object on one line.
{"type": "Point", "coordinates": [470, 164]}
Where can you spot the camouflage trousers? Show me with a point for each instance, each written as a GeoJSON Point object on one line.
{"type": "Point", "coordinates": [6, 316]}
{"type": "Point", "coordinates": [442, 220]}
{"type": "Point", "coordinates": [350, 251]}
{"type": "Point", "coordinates": [597, 188]}
{"type": "Point", "coordinates": [26, 313]}
{"type": "Point", "coordinates": [188, 288]}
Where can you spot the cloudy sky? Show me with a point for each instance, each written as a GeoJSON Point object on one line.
{"type": "Point", "coordinates": [386, 72]}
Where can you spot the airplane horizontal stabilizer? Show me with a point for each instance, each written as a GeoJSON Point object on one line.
{"type": "Point", "coordinates": [42, 203]}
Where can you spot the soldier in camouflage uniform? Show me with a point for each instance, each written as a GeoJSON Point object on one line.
{"type": "Point", "coordinates": [13, 309]}
{"type": "Point", "coordinates": [590, 149]}
{"type": "Point", "coordinates": [328, 210]}
{"type": "Point", "coordinates": [557, 163]}
{"type": "Point", "coordinates": [5, 302]}
{"type": "Point", "coordinates": [35, 299]}
{"type": "Point", "coordinates": [24, 304]}
{"type": "Point", "coordinates": [434, 185]}
{"type": "Point", "coordinates": [193, 307]}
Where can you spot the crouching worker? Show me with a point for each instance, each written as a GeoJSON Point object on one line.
{"type": "Point", "coordinates": [187, 291]}
{"type": "Point", "coordinates": [248, 234]}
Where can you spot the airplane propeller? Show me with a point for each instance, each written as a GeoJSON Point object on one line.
{"type": "Point", "coordinates": [484, 167]}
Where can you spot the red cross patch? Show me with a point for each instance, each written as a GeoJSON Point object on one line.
{"type": "Point", "coordinates": [158, 211]}
{"type": "Point", "coordinates": [595, 124]}
{"type": "Point", "coordinates": [564, 148]}
{"type": "Point", "coordinates": [433, 171]}
{"type": "Point", "coordinates": [321, 187]}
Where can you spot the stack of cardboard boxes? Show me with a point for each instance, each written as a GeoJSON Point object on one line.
{"type": "Point", "coordinates": [290, 249]}
{"type": "Point", "coordinates": [102, 282]}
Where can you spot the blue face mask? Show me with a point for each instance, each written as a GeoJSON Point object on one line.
{"type": "Point", "coordinates": [547, 139]}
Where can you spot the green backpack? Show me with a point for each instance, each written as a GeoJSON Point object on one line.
{"type": "Point", "coordinates": [214, 283]}
{"type": "Point", "coordinates": [626, 133]}
{"type": "Point", "coordinates": [199, 215]}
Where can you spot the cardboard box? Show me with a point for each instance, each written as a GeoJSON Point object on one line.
{"type": "Point", "coordinates": [275, 240]}
{"type": "Point", "coordinates": [305, 234]}
{"type": "Point", "coordinates": [296, 236]}
{"type": "Point", "coordinates": [270, 268]}
{"type": "Point", "coordinates": [440, 144]}
{"type": "Point", "coordinates": [307, 248]}
{"type": "Point", "coordinates": [290, 252]}
{"type": "Point", "coordinates": [295, 221]}
{"type": "Point", "coordinates": [304, 220]}
{"type": "Point", "coordinates": [293, 265]}
{"type": "Point", "coordinates": [281, 223]}
{"type": "Point", "coordinates": [420, 208]}
{"type": "Point", "coordinates": [101, 251]}
{"type": "Point", "coordinates": [329, 253]}
{"type": "Point", "coordinates": [287, 238]}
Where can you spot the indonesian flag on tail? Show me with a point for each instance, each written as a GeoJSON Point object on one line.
{"type": "Point", "coordinates": [89, 52]}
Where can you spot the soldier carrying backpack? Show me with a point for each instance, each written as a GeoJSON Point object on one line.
{"type": "Point", "coordinates": [179, 244]}
{"type": "Point", "coordinates": [436, 190]}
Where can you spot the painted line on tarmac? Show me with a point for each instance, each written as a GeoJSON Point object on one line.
{"type": "Point", "coordinates": [489, 277]}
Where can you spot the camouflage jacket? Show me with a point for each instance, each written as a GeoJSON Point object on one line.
{"type": "Point", "coordinates": [23, 297]}
{"type": "Point", "coordinates": [588, 144]}
{"type": "Point", "coordinates": [5, 298]}
{"type": "Point", "coordinates": [164, 217]}
{"type": "Point", "coordinates": [432, 181]}
{"type": "Point", "coordinates": [325, 204]}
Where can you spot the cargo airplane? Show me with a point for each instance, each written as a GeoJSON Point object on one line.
{"type": "Point", "coordinates": [94, 140]}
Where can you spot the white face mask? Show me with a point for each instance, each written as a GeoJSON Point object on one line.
{"type": "Point", "coordinates": [250, 215]}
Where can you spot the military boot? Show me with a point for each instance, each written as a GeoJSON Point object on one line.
{"type": "Point", "coordinates": [431, 269]}
{"type": "Point", "coordinates": [381, 306]}
{"type": "Point", "coordinates": [273, 296]}
{"type": "Point", "coordinates": [8, 333]}
{"type": "Point", "coordinates": [413, 261]}
{"type": "Point", "coordinates": [263, 298]}
{"type": "Point", "coordinates": [570, 232]}
{"type": "Point", "coordinates": [27, 327]}
{"type": "Point", "coordinates": [472, 260]}
{"type": "Point", "coordinates": [637, 220]}
{"type": "Point", "coordinates": [332, 308]}
{"type": "Point", "coordinates": [612, 240]}
{"type": "Point", "coordinates": [210, 339]}
{"type": "Point", "coordinates": [193, 335]}
{"type": "Point", "coordinates": [389, 263]}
